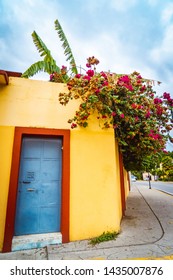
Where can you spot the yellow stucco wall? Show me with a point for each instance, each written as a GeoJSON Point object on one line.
{"type": "Point", "coordinates": [6, 145]}
{"type": "Point", "coordinates": [95, 204]}
{"type": "Point", "coordinates": [33, 103]}
{"type": "Point", "coordinates": [95, 194]}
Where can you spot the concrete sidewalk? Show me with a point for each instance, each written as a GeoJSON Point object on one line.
{"type": "Point", "coordinates": [146, 232]}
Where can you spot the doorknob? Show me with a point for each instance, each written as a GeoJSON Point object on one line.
{"type": "Point", "coordinates": [30, 190]}
{"type": "Point", "coordinates": [26, 182]}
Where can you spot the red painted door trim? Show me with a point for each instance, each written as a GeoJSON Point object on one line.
{"type": "Point", "coordinates": [123, 201]}
{"type": "Point", "coordinates": [12, 196]}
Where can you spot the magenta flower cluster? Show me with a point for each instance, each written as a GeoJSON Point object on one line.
{"type": "Point", "coordinates": [126, 103]}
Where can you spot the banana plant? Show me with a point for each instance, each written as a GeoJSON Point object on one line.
{"type": "Point", "coordinates": [67, 50]}
{"type": "Point", "coordinates": [48, 64]}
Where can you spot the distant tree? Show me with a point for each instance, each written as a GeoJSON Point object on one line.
{"type": "Point", "coordinates": [167, 167]}
{"type": "Point", "coordinates": [160, 164]}
{"type": "Point", "coordinates": [152, 163]}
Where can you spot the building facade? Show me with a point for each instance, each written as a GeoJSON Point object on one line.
{"type": "Point", "coordinates": [57, 184]}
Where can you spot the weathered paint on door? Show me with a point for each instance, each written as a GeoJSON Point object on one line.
{"type": "Point", "coordinates": [39, 187]}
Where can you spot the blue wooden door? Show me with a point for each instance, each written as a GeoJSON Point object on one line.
{"type": "Point", "coordinates": [39, 188]}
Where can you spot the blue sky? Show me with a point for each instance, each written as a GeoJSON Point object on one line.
{"type": "Point", "coordinates": [125, 35]}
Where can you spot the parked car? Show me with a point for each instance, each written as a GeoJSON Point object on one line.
{"type": "Point", "coordinates": [133, 178]}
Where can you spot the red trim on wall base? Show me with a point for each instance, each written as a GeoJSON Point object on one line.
{"type": "Point", "coordinates": [128, 178]}
{"type": "Point", "coordinates": [123, 201]}
{"type": "Point", "coordinates": [12, 196]}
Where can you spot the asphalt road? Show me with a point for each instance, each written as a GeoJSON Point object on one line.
{"type": "Point", "coordinates": [159, 185]}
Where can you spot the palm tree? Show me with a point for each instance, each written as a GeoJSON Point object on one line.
{"type": "Point", "coordinates": [48, 64]}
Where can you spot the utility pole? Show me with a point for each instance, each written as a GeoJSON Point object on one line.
{"type": "Point", "coordinates": [149, 180]}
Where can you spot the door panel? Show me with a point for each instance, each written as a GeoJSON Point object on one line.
{"type": "Point", "coordinates": [39, 189]}
{"type": "Point", "coordinates": [51, 150]}
{"type": "Point", "coordinates": [47, 221]}
{"type": "Point", "coordinates": [31, 148]}
{"type": "Point", "coordinates": [49, 171]}
{"type": "Point", "coordinates": [30, 171]}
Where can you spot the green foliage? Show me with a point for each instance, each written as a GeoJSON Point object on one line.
{"type": "Point", "coordinates": [138, 174]}
{"type": "Point", "coordinates": [105, 236]}
{"type": "Point", "coordinates": [39, 66]}
{"type": "Point", "coordinates": [166, 172]}
{"type": "Point", "coordinates": [152, 162]}
{"type": "Point", "coordinates": [41, 47]}
{"type": "Point", "coordinates": [160, 164]}
{"type": "Point", "coordinates": [67, 50]}
{"type": "Point", "coordinates": [170, 154]}
{"type": "Point", "coordinates": [48, 64]}
{"type": "Point", "coordinates": [126, 103]}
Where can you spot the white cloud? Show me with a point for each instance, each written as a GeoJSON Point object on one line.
{"type": "Point", "coordinates": [92, 5]}
{"type": "Point", "coordinates": [17, 48]}
{"type": "Point", "coordinates": [122, 5]}
{"type": "Point", "coordinates": [164, 51]}
{"type": "Point", "coordinates": [167, 14]}
{"type": "Point", "coordinates": [153, 2]}
{"type": "Point", "coordinates": [112, 53]}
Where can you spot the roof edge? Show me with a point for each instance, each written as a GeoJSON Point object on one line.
{"type": "Point", "coordinates": [4, 78]}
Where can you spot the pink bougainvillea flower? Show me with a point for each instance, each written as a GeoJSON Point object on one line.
{"type": "Point", "coordinates": [126, 82]}
{"type": "Point", "coordinates": [122, 116]}
{"type": "Point", "coordinates": [87, 77]}
{"type": "Point", "coordinates": [103, 74]}
{"type": "Point", "coordinates": [124, 79]}
{"type": "Point", "coordinates": [113, 114]}
{"type": "Point", "coordinates": [170, 102]}
{"type": "Point", "coordinates": [63, 70]}
{"type": "Point", "coordinates": [129, 87]}
{"type": "Point", "coordinates": [143, 88]}
{"type": "Point", "coordinates": [166, 95]}
{"type": "Point", "coordinates": [78, 76]}
{"type": "Point", "coordinates": [140, 107]}
{"type": "Point", "coordinates": [51, 76]}
{"type": "Point", "coordinates": [90, 73]}
{"type": "Point", "coordinates": [97, 90]}
{"type": "Point", "coordinates": [105, 83]}
{"type": "Point", "coordinates": [147, 115]}
{"type": "Point", "coordinates": [73, 125]}
{"type": "Point", "coordinates": [151, 94]}
{"type": "Point", "coordinates": [159, 111]}
{"type": "Point", "coordinates": [88, 65]}
{"type": "Point", "coordinates": [139, 77]}
{"type": "Point", "coordinates": [157, 100]}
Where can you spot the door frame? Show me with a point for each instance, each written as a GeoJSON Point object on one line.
{"type": "Point", "coordinates": [20, 132]}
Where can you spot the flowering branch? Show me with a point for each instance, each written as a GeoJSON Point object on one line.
{"type": "Point", "coordinates": [127, 103]}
